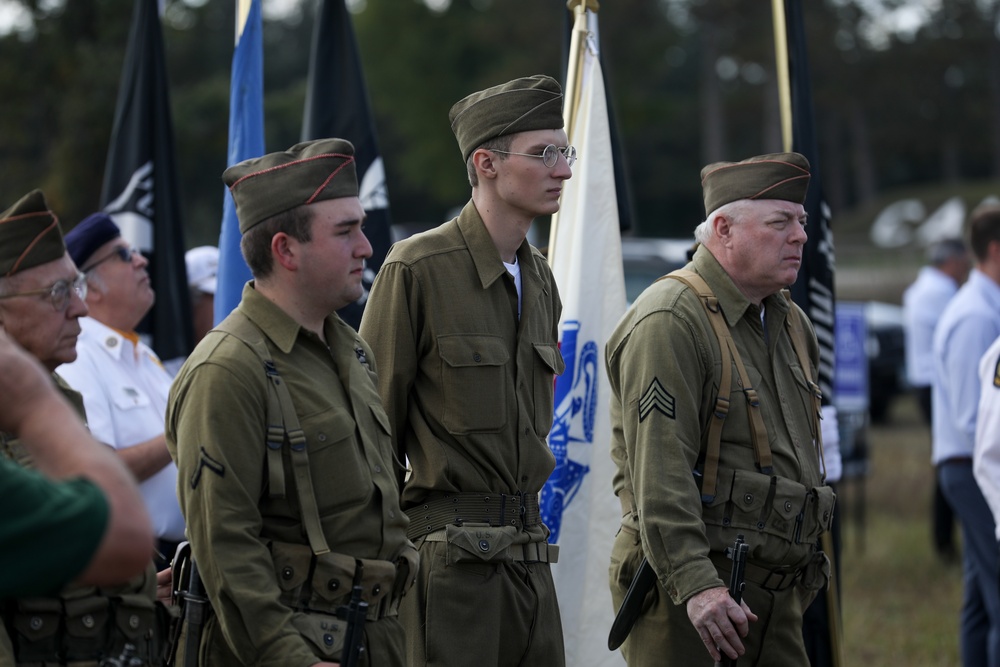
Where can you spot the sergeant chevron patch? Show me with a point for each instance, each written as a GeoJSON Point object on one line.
{"type": "Point", "coordinates": [656, 398]}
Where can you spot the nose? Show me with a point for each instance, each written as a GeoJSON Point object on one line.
{"type": "Point", "coordinates": [138, 259]}
{"type": "Point", "coordinates": [77, 307]}
{"type": "Point", "coordinates": [364, 247]}
{"type": "Point", "coordinates": [562, 170]}
{"type": "Point", "coordinates": [799, 235]}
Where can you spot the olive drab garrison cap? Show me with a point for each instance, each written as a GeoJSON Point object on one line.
{"type": "Point", "coordinates": [773, 176]}
{"type": "Point", "coordinates": [29, 235]}
{"type": "Point", "coordinates": [521, 105]}
{"type": "Point", "coordinates": [306, 173]}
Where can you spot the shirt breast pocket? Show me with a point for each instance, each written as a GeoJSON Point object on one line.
{"type": "Point", "coordinates": [337, 464]}
{"type": "Point", "coordinates": [474, 379]}
{"type": "Point", "coordinates": [129, 398]}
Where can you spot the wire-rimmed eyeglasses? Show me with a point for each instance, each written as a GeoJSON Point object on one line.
{"type": "Point", "coordinates": [59, 292]}
{"type": "Point", "coordinates": [124, 253]}
{"type": "Point", "coordinates": [549, 154]}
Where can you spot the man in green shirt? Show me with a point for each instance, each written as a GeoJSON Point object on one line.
{"type": "Point", "coordinates": [286, 474]}
{"type": "Point", "coordinates": [463, 321]}
{"type": "Point", "coordinates": [696, 469]}
{"type": "Point", "coordinates": [77, 517]}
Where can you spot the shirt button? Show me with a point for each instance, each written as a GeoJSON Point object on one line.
{"type": "Point", "coordinates": [378, 468]}
{"type": "Point", "coordinates": [321, 437]}
{"type": "Point", "coordinates": [476, 357]}
{"type": "Point", "coordinates": [527, 430]}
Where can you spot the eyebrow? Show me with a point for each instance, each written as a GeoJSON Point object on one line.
{"type": "Point", "coordinates": [352, 221]}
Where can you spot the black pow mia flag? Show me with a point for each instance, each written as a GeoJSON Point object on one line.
{"type": "Point", "coordinates": [813, 290]}
{"type": "Point", "coordinates": [140, 182]}
{"type": "Point", "coordinates": [337, 106]}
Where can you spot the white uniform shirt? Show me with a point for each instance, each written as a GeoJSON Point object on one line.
{"type": "Point", "coordinates": [986, 459]}
{"type": "Point", "coordinates": [125, 389]}
{"type": "Point", "coordinates": [969, 324]}
{"type": "Point", "coordinates": [923, 302]}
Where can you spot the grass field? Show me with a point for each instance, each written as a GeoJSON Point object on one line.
{"type": "Point", "coordinates": [900, 601]}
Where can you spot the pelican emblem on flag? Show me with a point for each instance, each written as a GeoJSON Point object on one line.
{"type": "Point", "coordinates": [572, 433]}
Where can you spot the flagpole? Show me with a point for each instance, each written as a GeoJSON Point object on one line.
{"type": "Point", "coordinates": [784, 82]}
{"type": "Point", "coordinates": [242, 12]}
{"type": "Point", "coordinates": [574, 72]}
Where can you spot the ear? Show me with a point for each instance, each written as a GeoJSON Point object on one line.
{"type": "Point", "coordinates": [723, 227]}
{"type": "Point", "coordinates": [285, 251]}
{"type": "Point", "coordinates": [483, 160]}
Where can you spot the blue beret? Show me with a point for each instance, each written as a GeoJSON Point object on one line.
{"type": "Point", "coordinates": [94, 231]}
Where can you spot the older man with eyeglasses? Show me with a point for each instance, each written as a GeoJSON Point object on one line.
{"type": "Point", "coordinates": [463, 322]}
{"type": "Point", "coordinates": [42, 298]}
{"type": "Point", "coordinates": [124, 384]}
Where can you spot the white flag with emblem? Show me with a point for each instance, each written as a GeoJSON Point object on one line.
{"type": "Point", "coordinates": [578, 502]}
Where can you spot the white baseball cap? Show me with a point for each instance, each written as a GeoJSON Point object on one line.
{"type": "Point", "coordinates": [202, 268]}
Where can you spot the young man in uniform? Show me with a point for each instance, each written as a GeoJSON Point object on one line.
{"type": "Point", "coordinates": [691, 477]}
{"type": "Point", "coordinates": [287, 477]}
{"type": "Point", "coordinates": [41, 300]}
{"type": "Point", "coordinates": [463, 320]}
{"type": "Point", "coordinates": [123, 382]}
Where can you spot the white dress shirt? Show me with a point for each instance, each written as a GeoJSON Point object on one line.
{"type": "Point", "coordinates": [125, 388]}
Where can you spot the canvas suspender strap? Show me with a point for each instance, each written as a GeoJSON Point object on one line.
{"type": "Point", "coordinates": [727, 346]}
{"type": "Point", "coordinates": [797, 333]}
{"type": "Point", "coordinates": [282, 426]}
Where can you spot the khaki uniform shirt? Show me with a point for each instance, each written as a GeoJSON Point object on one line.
{"type": "Point", "coordinates": [216, 433]}
{"type": "Point", "coordinates": [467, 386]}
{"type": "Point", "coordinates": [664, 365]}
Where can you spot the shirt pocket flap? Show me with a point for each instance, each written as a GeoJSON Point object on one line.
{"type": "Point", "coordinates": [462, 351]}
{"type": "Point", "coordinates": [551, 357]}
{"type": "Point", "coordinates": [381, 417]}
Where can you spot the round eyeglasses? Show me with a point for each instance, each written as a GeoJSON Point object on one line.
{"type": "Point", "coordinates": [549, 155]}
{"type": "Point", "coordinates": [124, 253]}
{"type": "Point", "coordinates": [59, 292]}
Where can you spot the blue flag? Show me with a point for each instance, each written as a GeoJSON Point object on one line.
{"type": "Point", "coordinates": [140, 182]}
{"type": "Point", "coordinates": [337, 106]}
{"type": "Point", "coordinates": [246, 140]}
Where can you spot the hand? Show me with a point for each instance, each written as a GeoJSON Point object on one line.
{"type": "Point", "coordinates": [720, 622]}
{"type": "Point", "coordinates": [164, 586]}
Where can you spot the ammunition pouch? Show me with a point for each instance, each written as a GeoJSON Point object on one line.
{"type": "Point", "coordinates": [87, 629]}
{"type": "Point", "coordinates": [784, 517]}
{"type": "Point", "coordinates": [323, 583]}
{"type": "Point", "coordinates": [471, 543]}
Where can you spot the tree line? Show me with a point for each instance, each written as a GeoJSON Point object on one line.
{"type": "Point", "coordinates": [690, 83]}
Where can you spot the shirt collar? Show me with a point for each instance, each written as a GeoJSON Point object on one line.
{"type": "Point", "coordinates": [734, 304]}
{"type": "Point", "coordinates": [278, 325]}
{"type": "Point", "coordinates": [484, 252]}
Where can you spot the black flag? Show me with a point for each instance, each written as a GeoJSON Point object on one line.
{"type": "Point", "coordinates": [813, 290]}
{"type": "Point", "coordinates": [140, 182]}
{"type": "Point", "coordinates": [337, 106]}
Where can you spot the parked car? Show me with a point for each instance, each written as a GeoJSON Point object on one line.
{"type": "Point", "coordinates": [646, 259]}
{"type": "Point", "coordinates": [886, 350]}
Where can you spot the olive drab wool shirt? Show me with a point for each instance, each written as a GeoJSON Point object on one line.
{"type": "Point", "coordinates": [468, 388]}
{"type": "Point", "coordinates": [216, 433]}
{"type": "Point", "coordinates": [664, 365]}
